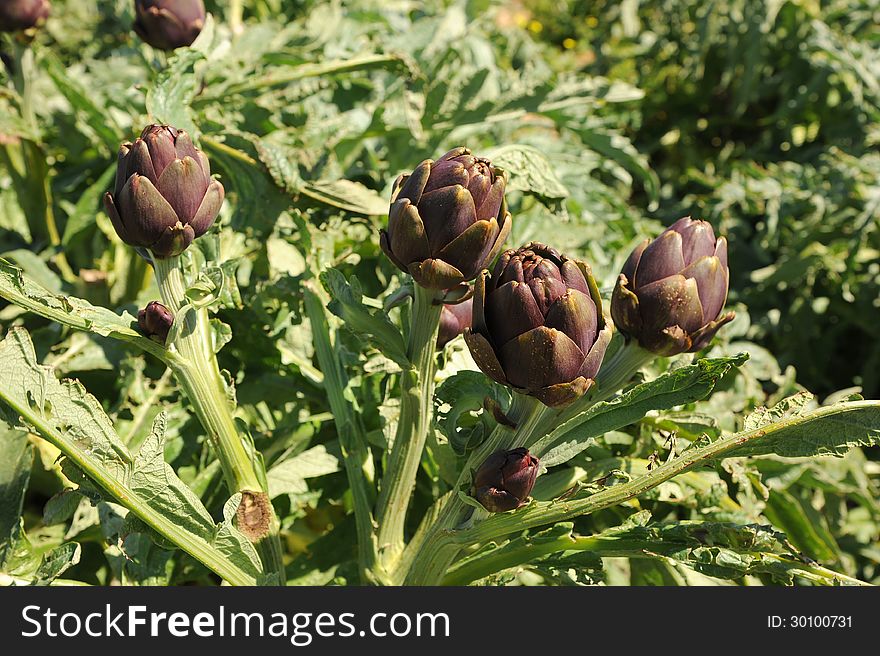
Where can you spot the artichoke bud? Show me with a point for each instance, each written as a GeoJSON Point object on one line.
{"type": "Point", "coordinates": [164, 195]}
{"type": "Point", "coordinates": [448, 219]}
{"type": "Point", "coordinates": [16, 15]}
{"type": "Point", "coordinates": [671, 291]}
{"type": "Point", "coordinates": [538, 325]}
{"type": "Point", "coordinates": [454, 319]}
{"type": "Point", "coordinates": [505, 480]}
{"type": "Point", "coordinates": [169, 24]}
{"type": "Point", "coordinates": [155, 321]}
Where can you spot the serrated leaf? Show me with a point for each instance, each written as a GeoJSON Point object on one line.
{"type": "Point", "coordinates": [289, 476]}
{"type": "Point", "coordinates": [827, 431]}
{"type": "Point", "coordinates": [683, 385]}
{"type": "Point", "coordinates": [73, 420]}
{"type": "Point", "coordinates": [372, 323]}
{"type": "Point", "coordinates": [529, 170]}
{"type": "Point", "coordinates": [56, 562]}
{"type": "Point", "coordinates": [786, 407]}
{"type": "Point", "coordinates": [169, 99]}
{"type": "Point", "coordinates": [77, 313]}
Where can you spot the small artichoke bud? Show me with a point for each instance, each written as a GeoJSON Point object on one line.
{"type": "Point", "coordinates": [17, 15]}
{"type": "Point", "coordinates": [671, 291]}
{"type": "Point", "coordinates": [164, 195]}
{"type": "Point", "coordinates": [169, 24]}
{"type": "Point", "coordinates": [155, 321]}
{"type": "Point", "coordinates": [448, 219]}
{"type": "Point", "coordinates": [538, 325]}
{"type": "Point", "coordinates": [454, 319]}
{"type": "Point", "coordinates": [505, 480]}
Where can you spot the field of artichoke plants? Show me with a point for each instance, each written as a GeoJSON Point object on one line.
{"type": "Point", "coordinates": [421, 293]}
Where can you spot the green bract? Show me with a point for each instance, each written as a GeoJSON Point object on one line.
{"type": "Point", "coordinates": [169, 24]}
{"type": "Point", "coordinates": [538, 324]}
{"type": "Point", "coordinates": [448, 219]}
{"type": "Point", "coordinates": [671, 291]}
{"type": "Point", "coordinates": [164, 195]}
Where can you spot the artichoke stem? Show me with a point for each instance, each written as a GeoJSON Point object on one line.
{"type": "Point", "coordinates": [618, 370]}
{"type": "Point", "coordinates": [199, 376]}
{"type": "Point", "coordinates": [416, 410]}
{"type": "Point", "coordinates": [437, 553]}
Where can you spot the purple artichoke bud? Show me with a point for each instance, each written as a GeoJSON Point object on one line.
{"type": "Point", "coordinates": [671, 291]}
{"type": "Point", "coordinates": [169, 24]}
{"type": "Point", "coordinates": [164, 195]}
{"type": "Point", "coordinates": [505, 480]}
{"type": "Point", "coordinates": [454, 319]}
{"type": "Point", "coordinates": [538, 324]}
{"type": "Point", "coordinates": [448, 219]}
{"type": "Point", "coordinates": [155, 320]}
{"type": "Point", "coordinates": [18, 15]}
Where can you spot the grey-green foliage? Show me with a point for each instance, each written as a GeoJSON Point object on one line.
{"type": "Point", "coordinates": [73, 420]}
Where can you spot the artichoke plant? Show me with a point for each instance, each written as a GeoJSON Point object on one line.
{"type": "Point", "coordinates": [18, 15]}
{"type": "Point", "coordinates": [164, 195]}
{"type": "Point", "coordinates": [155, 321]}
{"type": "Point", "coordinates": [538, 324]}
{"type": "Point", "coordinates": [448, 219]}
{"type": "Point", "coordinates": [505, 480]}
{"type": "Point", "coordinates": [169, 24]}
{"type": "Point", "coordinates": [454, 320]}
{"type": "Point", "coordinates": [671, 291]}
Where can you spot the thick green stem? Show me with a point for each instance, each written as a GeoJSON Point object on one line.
{"type": "Point", "coordinates": [352, 436]}
{"type": "Point", "coordinates": [534, 421]}
{"type": "Point", "coordinates": [198, 374]}
{"type": "Point", "coordinates": [435, 557]}
{"type": "Point", "coordinates": [33, 182]}
{"type": "Point", "coordinates": [235, 14]}
{"type": "Point", "coordinates": [416, 410]}
{"type": "Point", "coordinates": [621, 547]}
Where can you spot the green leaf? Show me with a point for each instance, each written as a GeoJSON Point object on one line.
{"type": "Point", "coordinates": [289, 476]}
{"type": "Point", "coordinates": [530, 171]}
{"type": "Point", "coordinates": [88, 103]}
{"type": "Point", "coordinates": [56, 562]}
{"type": "Point", "coordinates": [77, 313]}
{"type": "Point", "coordinates": [372, 323]}
{"type": "Point", "coordinates": [16, 458]}
{"type": "Point", "coordinates": [619, 149]}
{"type": "Point", "coordinates": [346, 195]}
{"type": "Point", "coordinates": [788, 406]}
{"type": "Point", "coordinates": [828, 431]}
{"type": "Point", "coordinates": [459, 402]}
{"type": "Point", "coordinates": [684, 385]}
{"type": "Point", "coordinates": [82, 215]}
{"type": "Point", "coordinates": [73, 420]}
{"type": "Point", "coordinates": [169, 99]}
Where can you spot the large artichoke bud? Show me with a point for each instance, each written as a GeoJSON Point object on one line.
{"type": "Point", "coordinates": [18, 15]}
{"type": "Point", "coordinates": [505, 480]}
{"type": "Point", "coordinates": [164, 195]}
{"type": "Point", "coordinates": [448, 219]}
{"type": "Point", "coordinates": [169, 24]}
{"type": "Point", "coordinates": [538, 324]}
{"type": "Point", "coordinates": [671, 291]}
